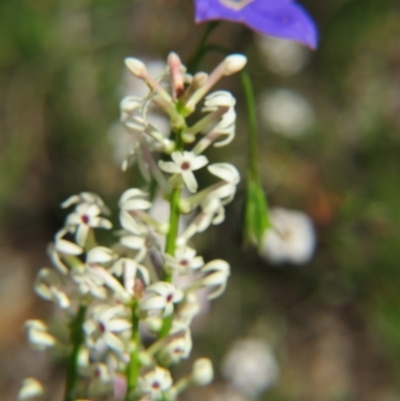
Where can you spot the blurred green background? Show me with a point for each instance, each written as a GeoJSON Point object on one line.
{"type": "Point", "coordinates": [332, 324]}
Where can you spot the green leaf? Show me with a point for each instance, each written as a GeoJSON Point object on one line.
{"type": "Point", "coordinates": [257, 219]}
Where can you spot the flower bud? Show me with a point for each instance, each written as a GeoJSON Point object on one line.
{"type": "Point", "coordinates": [234, 63]}
{"type": "Point", "coordinates": [202, 373]}
{"type": "Point", "coordinates": [136, 67]}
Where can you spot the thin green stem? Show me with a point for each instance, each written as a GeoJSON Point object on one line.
{"type": "Point", "coordinates": [77, 338]}
{"type": "Point", "coordinates": [133, 369]}
{"type": "Point", "coordinates": [199, 53]}
{"type": "Point", "coordinates": [252, 125]}
{"type": "Point", "coordinates": [174, 212]}
{"type": "Point", "coordinates": [172, 235]}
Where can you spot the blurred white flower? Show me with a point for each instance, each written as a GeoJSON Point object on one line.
{"type": "Point", "coordinates": [282, 57]}
{"type": "Point", "coordinates": [291, 239]}
{"type": "Point", "coordinates": [202, 372]}
{"type": "Point", "coordinates": [287, 113]}
{"type": "Point", "coordinates": [155, 383]}
{"type": "Point", "coordinates": [250, 366]}
{"type": "Point", "coordinates": [38, 334]}
{"type": "Point", "coordinates": [30, 389]}
{"type": "Point", "coordinates": [160, 296]}
{"type": "Point", "coordinates": [119, 136]}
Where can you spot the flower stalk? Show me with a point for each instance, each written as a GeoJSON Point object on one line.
{"type": "Point", "coordinates": [77, 340]}
{"type": "Point", "coordinates": [134, 364]}
{"type": "Point", "coordinates": [120, 289]}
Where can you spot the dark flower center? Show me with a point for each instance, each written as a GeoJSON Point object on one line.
{"type": "Point", "coordinates": [102, 328]}
{"type": "Point", "coordinates": [184, 262]}
{"type": "Point", "coordinates": [185, 166]}
{"type": "Point", "coordinates": [169, 297]}
{"type": "Point", "coordinates": [85, 219]}
{"type": "Point", "coordinates": [156, 385]}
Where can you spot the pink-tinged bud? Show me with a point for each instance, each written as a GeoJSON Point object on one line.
{"type": "Point", "coordinates": [234, 63]}
{"type": "Point", "coordinates": [175, 67]}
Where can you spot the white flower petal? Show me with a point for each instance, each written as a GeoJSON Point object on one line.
{"type": "Point", "coordinates": [99, 254]}
{"type": "Point", "coordinates": [169, 167]}
{"type": "Point", "coordinates": [227, 172]}
{"type": "Point", "coordinates": [67, 247]}
{"type": "Point", "coordinates": [81, 234]}
{"type": "Point", "coordinates": [41, 338]}
{"type": "Point", "coordinates": [132, 241]}
{"type": "Point", "coordinates": [30, 389]}
{"type": "Point", "coordinates": [190, 180]}
{"type": "Point", "coordinates": [151, 303]}
{"type": "Point", "coordinates": [117, 325]}
{"type": "Point", "coordinates": [113, 342]}
{"type": "Point", "coordinates": [198, 162]}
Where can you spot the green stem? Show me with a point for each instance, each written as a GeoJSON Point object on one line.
{"type": "Point", "coordinates": [252, 125]}
{"type": "Point", "coordinates": [134, 364]}
{"type": "Point", "coordinates": [170, 245]}
{"type": "Point", "coordinates": [194, 61]}
{"type": "Point", "coordinates": [77, 338]}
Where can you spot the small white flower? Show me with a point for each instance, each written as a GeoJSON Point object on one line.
{"type": "Point", "coordinates": [134, 199]}
{"type": "Point", "coordinates": [38, 334]}
{"type": "Point", "coordinates": [47, 285]}
{"type": "Point", "coordinates": [251, 367]}
{"type": "Point", "coordinates": [216, 275]}
{"type": "Point", "coordinates": [212, 212]}
{"type": "Point", "coordinates": [129, 269]}
{"type": "Point", "coordinates": [184, 164]}
{"type": "Point", "coordinates": [185, 260]}
{"type": "Point", "coordinates": [60, 248]}
{"type": "Point", "coordinates": [98, 374]}
{"type": "Point", "coordinates": [227, 125]}
{"type": "Point", "coordinates": [111, 282]}
{"type": "Point", "coordinates": [133, 216]}
{"type": "Point", "coordinates": [178, 346]}
{"type": "Point", "coordinates": [88, 282]}
{"type": "Point", "coordinates": [86, 197]}
{"type": "Point", "coordinates": [155, 383]}
{"type": "Point", "coordinates": [30, 389]}
{"type": "Point", "coordinates": [142, 244]}
{"type": "Point", "coordinates": [104, 327]}
{"type": "Point", "coordinates": [290, 239]}
{"type": "Point", "coordinates": [188, 308]}
{"type": "Point", "coordinates": [160, 296]}
{"type": "Point", "coordinates": [65, 247]}
{"type": "Point", "coordinates": [86, 216]}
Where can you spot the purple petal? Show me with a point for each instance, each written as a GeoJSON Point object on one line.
{"type": "Point", "coordinates": [278, 18]}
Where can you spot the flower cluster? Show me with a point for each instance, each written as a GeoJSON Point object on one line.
{"type": "Point", "coordinates": [126, 306]}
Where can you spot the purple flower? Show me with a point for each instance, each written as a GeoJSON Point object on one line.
{"type": "Point", "coordinates": [279, 18]}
